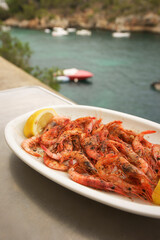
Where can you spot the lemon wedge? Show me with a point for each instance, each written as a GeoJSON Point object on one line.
{"type": "Point", "coordinates": [156, 194]}
{"type": "Point", "coordinates": [37, 121]}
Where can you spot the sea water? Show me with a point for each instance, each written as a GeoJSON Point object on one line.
{"type": "Point", "coordinates": [123, 69]}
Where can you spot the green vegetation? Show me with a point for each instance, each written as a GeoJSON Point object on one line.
{"type": "Point", "coordinates": [4, 14]}
{"type": "Point", "coordinates": [15, 51]}
{"type": "Point", "coordinates": [19, 53]}
{"type": "Point", "coordinates": [45, 75]}
{"type": "Point", "coordinates": [28, 9]}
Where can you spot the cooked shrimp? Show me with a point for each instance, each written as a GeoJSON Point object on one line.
{"type": "Point", "coordinates": [102, 156]}
{"type": "Point", "coordinates": [115, 128]}
{"type": "Point", "coordinates": [90, 145]}
{"type": "Point", "coordinates": [51, 163]}
{"type": "Point", "coordinates": [143, 148]}
{"type": "Point", "coordinates": [137, 145]}
{"type": "Point", "coordinates": [150, 172]}
{"type": "Point", "coordinates": [76, 143]}
{"type": "Point", "coordinates": [97, 125]}
{"type": "Point", "coordinates": [57, 120]}
{"type": "Point", "coordinates": [56, 156]}
{"type": "Point", "coordinates": [30, 145]}
{"type": "Point", "coordinates": [156, 156]}
{"type": "Point", "coordinates": [156, 152]}
{"type": "Point", "coordinates": [84, 123]}
{"type": "Point", "coordinates": [129, 189]}
{"type": "Point", "coordinates": [93, 181]}
{"type": "Point", "coordinates": [89, 125]}
{"type": "Point", "coordinates": [49, 137]}
{"type": "Point", "coordinates": [67, 146]}
{"type": "Point", "coordinates": [132, 156]}
{"type": "Point", "coordinates": [67, 134]}
{"type": "Point", "coordinates": [123, 174]}
{"type": "Point", "coordinates": [82, 160]}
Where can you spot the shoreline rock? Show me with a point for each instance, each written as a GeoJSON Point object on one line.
{"type": "Point", "coordinates": [149, 22]}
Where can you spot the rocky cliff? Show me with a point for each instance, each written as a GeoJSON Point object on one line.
{"type": "Point", "coordinates": [148, 22]}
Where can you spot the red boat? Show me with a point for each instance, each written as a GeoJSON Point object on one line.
{"type": "Point", "coordinates": [76, 74]}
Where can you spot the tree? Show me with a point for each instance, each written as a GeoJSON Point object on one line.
{"type": "Point", "coordinates": [19, 54]}
{"type": "Point", "coordinates": [15, 51]}
{"type": "Point", "coordinates": [46, 75]}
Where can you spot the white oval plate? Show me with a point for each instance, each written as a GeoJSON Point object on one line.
{"type": "Point", "coordinates": [14, 137]}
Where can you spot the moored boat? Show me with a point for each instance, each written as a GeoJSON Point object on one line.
{"type": "Point", "coordinates": [58, 31]}
{"type": "Point", "coordinates": [5, 28]}
{"type": "Point", "coordinates": [84, 32]}
{"type": "Point", "coordinates": [156, 85]}
{"type": "Point", "coordinates": [47, 30]}
{"type": "Point", "coordinates": [76, 74]}
{"type": "Point", "coordinates": [71, 30]}
{"type": "Point", "coordinates": [121, 34]}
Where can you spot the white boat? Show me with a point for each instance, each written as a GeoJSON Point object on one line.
{"type": "Point", "coordinates": [4, 5]}
{"type": "Point", "coordinates": [58, 31]}
{"type": "Point", "coordinates": [5, 28]}
{"type": "Point", "coordinates": [47, 30]}
{"type": "Point", "coordinates": [71, 30]}
{"type": "Point", "coordinates": [121, 34]}
{"type": "Point", "coordinates": [84, 32]}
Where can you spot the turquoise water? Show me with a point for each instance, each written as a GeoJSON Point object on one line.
{"type": "Point", "coordinates": [123, 68]}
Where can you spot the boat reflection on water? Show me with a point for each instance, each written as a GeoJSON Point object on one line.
{"type": "Point", "coordinates": [65, 79]}
{"type": "Point", "coordinates": [81, 82]}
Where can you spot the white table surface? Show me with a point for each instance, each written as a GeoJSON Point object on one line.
{"type": "Point", "coordinates": [34, 208]}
